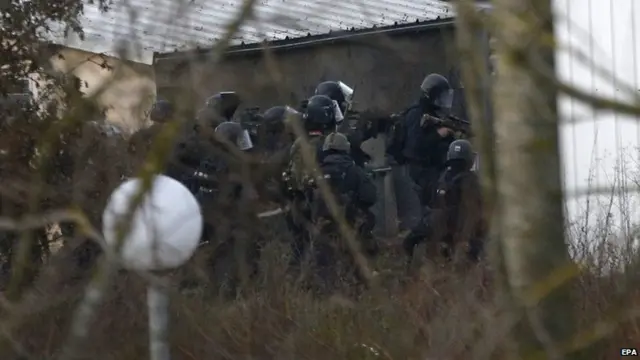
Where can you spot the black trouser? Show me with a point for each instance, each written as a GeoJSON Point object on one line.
{"type": "Point", "coordinates": [420, 233]}
{"type": "Point", "coordinates": [424, 231]}
{"type": "Point", "coordinates": [233, 252]}
{"type": "Point", "coordinates": [426, 179]}
{"type": "Point", "coordinates": [331, 250]}
{"type": "Point", "coordinates": [407, 197]}
{"type": "Point", "coordinates": [365, 232]}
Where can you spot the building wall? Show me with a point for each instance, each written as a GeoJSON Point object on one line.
{"type": "Point", "coordinates": [385, 71]}
{"type": "Point", "coordinates": [125, 90]}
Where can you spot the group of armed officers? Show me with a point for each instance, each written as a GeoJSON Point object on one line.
{"type": "Point", "coordinates": [320, 141]}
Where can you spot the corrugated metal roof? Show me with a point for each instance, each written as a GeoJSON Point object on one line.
{"type": "Point", "coordinates": [146, 26]}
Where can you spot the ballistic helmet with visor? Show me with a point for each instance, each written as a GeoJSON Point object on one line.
{"type": "Point", "coordinates": [224, 103]}
{"type": "Point", "coordinates": [234, 133]}
{"type": "Point", "coordinates": [274, 119]}
{"type": "Point", "coordinates": [332, 90]}
{"type": "Point", "coordinates": [438, 91]}
{"type": "Point", "coordinates": [320, 114]}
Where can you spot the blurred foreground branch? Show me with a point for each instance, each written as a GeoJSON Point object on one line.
{"type": "Point", "coordinates": [530, 199]}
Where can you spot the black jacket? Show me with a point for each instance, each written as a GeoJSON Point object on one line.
{"type": "Point", "coordinates": [206, 168]}
{"type": "Point", "coordinates": [355, 182]}
{"type": "Point", "coordinates": [458, 200]}
{"type": "Point", "coordinates": [423, 145]}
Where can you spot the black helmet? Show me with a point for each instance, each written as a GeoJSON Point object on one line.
{"type": "Point", "coordinates": [235, 134]}
{"type": "Point", "coordinates": [320, 114]}
{"type": "Point", "coordinates": [274, 118]}
{"type": "Point", "coordinates": [437, 90]}
{"type": "Point", "coordinates": [224, 103]}
{"type": "Point", "coordinates": [161, 111]}
{"type": "Point", "coordinates": [332, 90]}
{"type": "Point", "coordinates": [462, 151]}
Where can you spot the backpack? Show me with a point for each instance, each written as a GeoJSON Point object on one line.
{"type": "Point", "coordinates": [397, 137]}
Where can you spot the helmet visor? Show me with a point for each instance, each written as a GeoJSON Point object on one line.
{"type": "Point", "coordinates": [445, 100]}
{"type": "Point", "coordinates": [346, 91]}
{"type": "Point", "coordinates": [476, 163]}
{"type": "Point", "coordinates": [244, 141]}
{"type": "Point", "coordinates": [338, 113]}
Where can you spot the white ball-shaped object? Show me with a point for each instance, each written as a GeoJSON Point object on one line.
{"type": "Point", "coordinates": [165, 229]}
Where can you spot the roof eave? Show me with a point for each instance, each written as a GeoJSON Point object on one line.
{"type": "Point", "coordinates": [312, 40]}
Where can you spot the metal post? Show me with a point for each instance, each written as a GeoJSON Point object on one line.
{"type": "Point", "coordinates": [158, 305]}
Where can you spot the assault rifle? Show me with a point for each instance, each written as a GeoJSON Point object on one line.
{"type": "Point", "coordinates": [450, 121]}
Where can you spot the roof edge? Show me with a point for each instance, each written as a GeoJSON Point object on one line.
{"type": "Point", "coordinates": [311, 40]}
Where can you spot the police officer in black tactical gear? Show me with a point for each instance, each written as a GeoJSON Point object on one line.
{"type": "Point", "coordinates": [217, 109]}
{"type": "Point", "coordinates": [347, 179]}
{"type": "Point", "coordinates": [456, 216]}
{"type": "Point", "coordinates": [426, 144]}
{"type": "Point", "coordinates": [341, 94]}
{"type": "Point", "coordinates": [277, 136]}
{"type": "Point", "coordinates": [202, 160]}
{"type": "Point", "coordinates": [354, 192]}
{"type": "Point", "coordinates": [319, 119]}
{"type": "Point", "coordinates": [162, 112]}
{"type": "Point", "coordinates": [274, 145]}
{"type": "Point", "coordinates": [207, 162]}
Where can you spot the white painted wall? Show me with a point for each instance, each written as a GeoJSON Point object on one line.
{"type": "Point", "coordinates": [129, 89]}
{"type": "Point", "coordinates": [594, 143]}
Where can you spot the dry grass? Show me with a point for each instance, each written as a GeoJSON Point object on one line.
{"type": "Point", "coordinates": [441, 314]}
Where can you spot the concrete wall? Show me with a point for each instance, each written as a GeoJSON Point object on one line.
{"type": "Point", "coordinates": [127, 89]}
{"type": "Point", "coordinates": [386, 71]}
